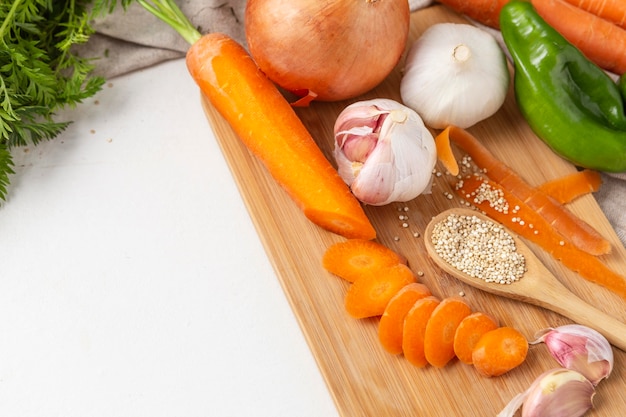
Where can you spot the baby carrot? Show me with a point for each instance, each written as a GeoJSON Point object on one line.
{"type": "Point", "coordinates": [269, 127]}
{"type": "Point", "coordinates": [529, 224]}
{"type": "Point", "coordinates": [353, 258]}
{"type": "Point", "coordinates": [569, 187]}
{"type": "Point", "coordinates": [440, 330]}
{"type": "Point", "coordinates": [391, 323]}
{"type": "Point", "coordinates": [415, 329]}
{"type": "Point", "coordinates": [369, 295]}
{"type": "Point", "coordinates": [499, 351]}
{"type": "Point", "coordinates": [469, 332]}
{"type": "Point", "coordinates": [579, 232]}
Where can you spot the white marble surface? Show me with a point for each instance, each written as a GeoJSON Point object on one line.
{"type": "Point", "coordinates": [132, 281]}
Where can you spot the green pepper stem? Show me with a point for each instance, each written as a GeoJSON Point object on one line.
{"type": "Point", "coordinates": [170, 13]}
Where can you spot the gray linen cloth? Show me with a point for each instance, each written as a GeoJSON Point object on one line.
{"type": "Point", "coordinates": [131, 39]}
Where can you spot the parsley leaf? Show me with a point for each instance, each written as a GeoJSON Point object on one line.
{"type": "Point", "coordinates": [39, 74]}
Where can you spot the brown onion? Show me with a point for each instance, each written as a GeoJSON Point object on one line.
{"type": "Point", "coordinates": [333, 49]}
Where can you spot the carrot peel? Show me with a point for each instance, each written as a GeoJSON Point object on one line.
{"type": "Point", "coordinates": [530, 225]}
{"type": "Point", "coordinates": [579, 232]}
{"type": "Point", "coordinates": [569, 187]}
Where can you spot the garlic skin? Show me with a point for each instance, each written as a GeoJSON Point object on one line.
{"type": "Point", "coordinates": [455, 74]}
{"type": "Point", "coordinates": [384, 152]}
{"type": "Point", "coordinates": [555, 393]}
{"type": "Point", "coordinates": [579, 348]}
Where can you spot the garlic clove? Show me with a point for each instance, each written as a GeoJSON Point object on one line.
{"type": "Point", "coordinates": [384, 152]}
{"type": "Point", "coordinates": [560, 392]}
{"type": "Point", "coordinates": [579, 348]}
{"type": "Point", "coordinates": [555, 393]}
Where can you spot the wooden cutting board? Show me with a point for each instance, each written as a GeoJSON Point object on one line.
{"type": "Point", "coordinates": [365, 380]}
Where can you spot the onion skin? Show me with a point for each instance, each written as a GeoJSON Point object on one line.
{"type": "Point", "coordinates": [334, 49]}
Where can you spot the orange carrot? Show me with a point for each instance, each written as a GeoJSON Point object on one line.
{"type": "Point", "coordinates": [445, 154]}
{"type": "Point", "coordinates": [354, 258]}
{"type": "Point", "coordinates": [612, 10]}
{"type": "Point", "coordinates": [469, 332]}
{"type": "Point", "coordinates": [369, 295]}
{"type": "Point", "coordinates": [391, 325]}
{"type": "Point", "coordinates": [486, 12]}
{"type": "Point", "coordinates": [499, 351]}
{"type": "Point", "coordinates": [529, 224]}
{"type": "Point", "coordinates": [440, 330]}
{"type": "Point", "coordinates": [598, 39]}
{"type": "Point", "coordinates": [569, 187]}
{"type": "Point", "coordinates": [271, 130]}
{"type": "Point", "coordinates": [415, 328]}
{"type": "Point", "coordinates": [579, 232]}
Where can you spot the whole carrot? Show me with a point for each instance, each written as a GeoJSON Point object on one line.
{"type": "Point", "coordinates": [266, 123]}
{"type": "Point", "coordinates": [486, 12]}
{"type": "Point", "coordinates": [612, 10]}
{"type": "Point", "coordinates": [600, 40]}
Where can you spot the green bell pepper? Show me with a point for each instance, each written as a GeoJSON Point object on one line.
{"type": "Point", "coordinates": [569, 102]}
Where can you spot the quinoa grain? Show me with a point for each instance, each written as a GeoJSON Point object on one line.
{"type": "Point", "coordinates": [481, 249]}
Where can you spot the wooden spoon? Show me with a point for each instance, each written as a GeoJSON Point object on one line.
{"type": "Point", "coordinates": [538, 286]}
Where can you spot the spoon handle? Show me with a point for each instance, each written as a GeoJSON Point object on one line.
{"type": "Point", "coordinates": [572, 307]}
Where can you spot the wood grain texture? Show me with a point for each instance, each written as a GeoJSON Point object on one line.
{"type": "Point", "coordinates": [363, 379]}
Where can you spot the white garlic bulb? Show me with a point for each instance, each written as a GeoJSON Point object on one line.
{"type": "Point", "coordinates": [455, 74]}
{"type": "Point", "coordinates": [384, 152]}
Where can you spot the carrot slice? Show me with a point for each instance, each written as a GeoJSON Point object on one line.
{"type": "Point", "coordinates": [569, 187]}
{"type": "Point", "coordinates": [527, 223]}
{"type": "Point", "coordinates": [391, 325]}
{"type": "Point", "coordinates": [499, 351]}
{"type": "Point", "coordinates": [269, 127]}
{"type": "Point", "coordinates": [469, 332]}
{"type": "Point", "coordinates": [579, 232]}
{"type": "Point", "coordinates": [415, 329]}
{"type": "Point", "coordinates": [354, 258]}
{"type": "Point", "coordinates": [440, 330]}
{"type": "Point", "coordinates": [369, 295]}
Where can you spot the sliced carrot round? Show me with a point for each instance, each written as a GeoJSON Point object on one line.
{"type": "Point", "coordinates": [391, 324]}
{"type": "Point", "coordinates": [353, 258]}
{"type": "Point", "coordinates": [440, 330]}
{"type": "Point", "coordinates": [415, 328]}
{"type": "Point", "coordinates": [369, 295]}
{"type": "Point", "coordinates": [469, 332]}
{"type": "Point", "coordinates": [498, 351]}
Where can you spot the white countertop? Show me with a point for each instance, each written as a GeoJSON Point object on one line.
{"type": "Point", "coordinates": [133, 282]}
